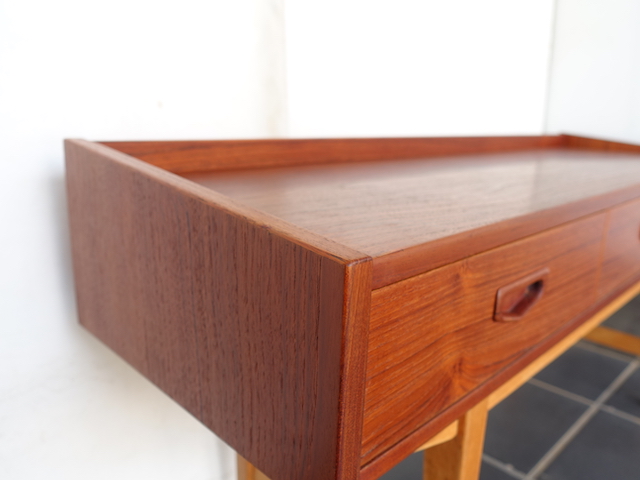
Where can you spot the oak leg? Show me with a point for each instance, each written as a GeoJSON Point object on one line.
{"type": "Point", "coordinates": [246, 471]}
{"type": "Point", "coordinates": [609, 337]}
{"type": "Point", "coordinates": [460, 458]}
{"type": "Point", "coordinates": [448, 433]}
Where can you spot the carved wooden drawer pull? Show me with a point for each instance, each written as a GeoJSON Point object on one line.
{"type": "Point", "coordinates": [516, 299]}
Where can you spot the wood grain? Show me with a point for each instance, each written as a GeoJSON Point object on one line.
{"type": "Point", "coordinates": [460, 458]}
{"type": "Point", "coordinates": [355, 333]}
{"type": "Point", "coordinates": [585, 330]}
{"type": "Point", "coordinates": [609, 337]}
{"type": "Point", "coordinates": [216, 155]}
{"type": "Point", "coordinates": [407, 446]}
{"type": "Point", "coordinates": [444, 435]}
{"type": "Point", "coordinates": [621, 257]}
{"type": "Point", "coordinates": [415, 215]}
{"type": "Point", "coordinates": [246, 296]}
{"type": "Point", "coordinates": [432, 337]}
{"type": "Point", "coordinates": [578, 142]}
{"type": "Point", "coordinates": [207, 156]}
{"type": "Point", "coordinates": [240, 323]}
{"type": "Point", "coordinates": [246, 471]}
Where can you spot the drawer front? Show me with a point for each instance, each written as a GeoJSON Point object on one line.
{"type": "Point", "coordinates": [621, 259]}
{"type": "Point", "coordinates": [433, 337]}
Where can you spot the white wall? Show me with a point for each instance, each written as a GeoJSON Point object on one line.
{"type": "Point", "coordinates": [142, 69]}
{"type": "Point", "coordinates": [124, 69]}
{"type": "Point", "coordinates": [402, 68]}
{"type": "Point", "coordinates": [595, 81]}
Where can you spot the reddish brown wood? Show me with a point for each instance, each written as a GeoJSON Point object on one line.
{"type": "Point", "coordinates": [433, 339]}
{"type": "Point", "coordinates": [400, 451]}
{"type": "Point", "coordinates": [573, 141]}
{"type": "Point", "coordinates": [353, 371]}
{"type": "Point", "coordinates": [415, 215]}
{"type": "Point", "coordinates": [206, 156]}
{"type": "Point", "coordinates": [621, 257]}
{"type": "Point", "coordinates": [247, 299]}
{"type": "Point", "coordinates": [513, 301]}
{"type": "Point", "coordinates": [250, 329]}
{"type": "Point", "coordinates": [247, 471]}
{"type": "Point", "coordinates": [460, 458]}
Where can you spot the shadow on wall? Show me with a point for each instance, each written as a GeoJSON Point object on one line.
{"type": "Point", "coordinates": [62, 241]}
{"type": "Point", "coordinates": [121, 424]}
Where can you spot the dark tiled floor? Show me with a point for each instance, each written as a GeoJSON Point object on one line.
{"type": "Point", "coordinates": [579, 419]}
{"type": "Point", "coordinates": [626, 319]}
{"type": "Point", "coordinates": [627, 398]}
{"type": "Point", "coordinates": [489, 472]}
{"type": "Point", "coordinates": [607, 448]}
{"type": "Point", "coordinates": [410, 469]}
{"type": "Point", "coordinates": [583, 372]}
{"type": "Point", "coordinates": [526, 424]}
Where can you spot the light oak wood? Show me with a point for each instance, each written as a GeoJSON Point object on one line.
{"type": "Point", "coordinates": [267, 301]}
{"type": "Point", "coordinates": [446, 434]}
{"type": "Point", "coordinates": [601, 335]}
{"type": "Point", "coordinates": [616, 339]}
{"type": "Point", "coordinates": [460, 458]}
{"type": "Point", "coordinates": [441, 464]}
{"type": "Point", "coordinates": [246, 471]}
{"type": "Point", "coordinates": [562, 346]}
{"type": "Point", "coordinates": [433, 338]}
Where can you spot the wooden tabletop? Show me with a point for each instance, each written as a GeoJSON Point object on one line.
{"type": "Point", "coordinates": [396, 211]}
{"type": "Point", "coordinates": [246, 293]}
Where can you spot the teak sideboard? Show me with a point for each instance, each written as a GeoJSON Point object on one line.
{"type": "Point", "coordinates": [327, 306]}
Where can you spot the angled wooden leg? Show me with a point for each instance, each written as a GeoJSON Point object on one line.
{"type": "Point", "coordinates": [246, 471]}
{"type": "Point", "coordinates": [625, 342]}
{"type": "Point", "coordinates": [460, 458]}
{"type": "Point", "coordinates": [448, 433]}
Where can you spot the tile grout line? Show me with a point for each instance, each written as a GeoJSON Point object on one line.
{"type": "Point", "coordinates": [595, 348]}
{"type": "Point", "coordinates": [579, 398]}
{"type": "Point", "coordinates": [620, 414]}
{"type": "Point", "coordinates": [579, 424]}
{"type": "Point", "coordinates": [560, 391]}
{"type": "Point", "coordinates": [503, 467]}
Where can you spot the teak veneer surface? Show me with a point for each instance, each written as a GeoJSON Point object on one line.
{"type": "Point", "coordinates": [589, 318]}
{"type": "Point", "coordinates": [239, 277]}
{"type": "Point", "coordinates": [433, 338]}
{"type": "Point", "coordinates": [249, 329]}
{"type": "Point", "coordinates": [622, 253]}
{"type": "Point", "coordinates": [435, 210]}
{"type": "Point", "coordinates": [202, 155]}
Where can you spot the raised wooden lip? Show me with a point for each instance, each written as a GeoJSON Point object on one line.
{"type": "Point", "coordinates": [180, 157]}
{"type": "Point", "coordinates": [347, 336]}
{"type": "Point", "coordinates": [193, 156]}
{"type": "Point", "coordinates": [401, 264]}
{"type": "Point", "coordinates": [294, 233]}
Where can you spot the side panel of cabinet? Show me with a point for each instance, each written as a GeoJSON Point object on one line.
{"type": "Point", "coordinates": [621, 259]}
{"type": "Point", "coordinates": [242, 327]}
